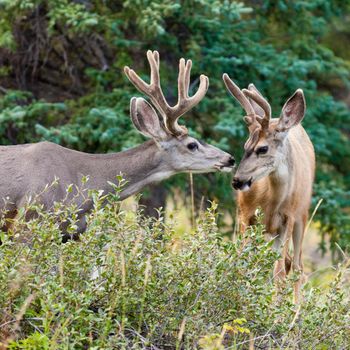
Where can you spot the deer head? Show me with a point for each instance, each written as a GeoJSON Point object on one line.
{"type": "Point", "coordinates": [266, 147]}
{"type": "Point", "coordinates": [181, 151]}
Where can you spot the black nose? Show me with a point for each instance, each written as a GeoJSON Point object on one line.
{"type": "Point", "coordinates": [231, 161]}
{"type": "Point", "coordinates": [236, 183]}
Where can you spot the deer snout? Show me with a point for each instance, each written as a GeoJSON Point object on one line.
{"type": "Point", "coordinates": [239, 184]}
{"type": "Point", "coordinates": [226, 164]}
{"type": "Point", "coordinates": [231, 162]}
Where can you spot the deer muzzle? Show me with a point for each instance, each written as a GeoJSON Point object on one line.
{"type": "Point", "coordinates": [226, 165]}
{"type": "Point", "coordinates": [240, 184]}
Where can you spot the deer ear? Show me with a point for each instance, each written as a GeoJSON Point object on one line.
{"type": "Point", "coordinates": [145, 119]}
{"type": "Point", "coordinates": [292, 112]}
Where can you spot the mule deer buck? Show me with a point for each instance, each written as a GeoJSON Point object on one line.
{"type": "Point", "coordinates": [27, 169]}
{"type": "Point", "coordinates": [276, 174]}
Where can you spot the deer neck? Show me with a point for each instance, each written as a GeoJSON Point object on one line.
{"type": "Point", "coordinates": [139, 166]}
{"type": "Point", "coordinates": [280, 179]}
{"type": "Point", "coordinates": [148, 166]}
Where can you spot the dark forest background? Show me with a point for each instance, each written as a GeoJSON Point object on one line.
{"type": "Point", "coordinates": [61, 79]}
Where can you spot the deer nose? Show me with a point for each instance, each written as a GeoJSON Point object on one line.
{"type": "Point", "coordinates": [236, 183]}
{"type": "Point", "coordinates": [231, 161]}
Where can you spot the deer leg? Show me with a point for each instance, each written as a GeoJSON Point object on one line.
{"type": "Point", "coordinates": [81, 223]}
{"type": "Point", "coordinates": [288, 262]}
{"type": "Point", "coordinates": [8, 214]}
{"type": "Point", "coordinates": [281, 244]}
{"type": "Point", "coordinates": [245, 223]}
{"type": "Point", "coordinates": [246, 218]}
{"type": "Point", "coordinates": [8, 219]}
{"type": "Point", "coordinates": [298, 235]}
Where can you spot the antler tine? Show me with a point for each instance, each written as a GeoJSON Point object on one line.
{"type": "Point", "coordinates": [135, 79]}
{"type": "Point", "coordinates": [252, 87]}
{"type": "Point", "coordinates": [188, 76]}
{"type": "Point", "coordinates": [261, 101]}
{"type": "Point", "coordinates": [156, 57]}
{"type": "Point", "coordinates": [202, 90]}
{"type": "Point", "coordinates": [153, 59]}
{"type": "Point", "coordinates": [184, 78]}
{"type": "Point", "coordinates": [154, 91]}
{"type": "Point", "coordinates": [181, 82]}
{"type": "Point", "coordinates": [185, 103]}
{"type": "Point", "coordinates": [238, 95]}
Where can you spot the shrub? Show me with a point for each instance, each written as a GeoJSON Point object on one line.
{"type": "Point", "coordinates": [62, 80]}
{"type": "Point", "coordinates": [133, 283]}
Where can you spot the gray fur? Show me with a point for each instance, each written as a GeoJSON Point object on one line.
{"type": "Point", "coordinates": [27, 169]}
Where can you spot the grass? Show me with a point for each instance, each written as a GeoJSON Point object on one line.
{"type": "Point", "coordinates": [135, 283]}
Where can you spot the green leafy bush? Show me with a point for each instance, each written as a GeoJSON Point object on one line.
{"type": "Point", "coordinates": [70, 54]}
{"type": "Point", "coordinates": [134, 283]}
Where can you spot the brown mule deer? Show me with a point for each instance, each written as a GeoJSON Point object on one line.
{"type": "Point", "coordinates": [276, 174]}
{"type": "Point", "coordinates": [26, 169]}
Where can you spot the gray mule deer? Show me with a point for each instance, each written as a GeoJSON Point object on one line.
{"type": "Point", "coordinates": [26, 169]}
{"type": "Point", "coordinates": [276, 173]}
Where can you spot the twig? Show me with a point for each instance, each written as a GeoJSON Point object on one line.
{"type": "Point", "coordinates": [192, 200]}
{"type": "Point", "coordinates": [312, 215]}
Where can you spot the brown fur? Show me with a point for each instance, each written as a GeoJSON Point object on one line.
{"type": "Point", "coordinates": [285, 202]}
{"type": "Point", "coordinates": [276, 174]}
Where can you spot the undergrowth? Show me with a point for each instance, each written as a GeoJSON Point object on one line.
{"type": "Point", "coordinates": [130, 282]}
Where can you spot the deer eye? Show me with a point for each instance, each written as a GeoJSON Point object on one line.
{"type": "Point", "coordinates": [262, 150]}
{"type": "Point", "coordinates": [193, 146]}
